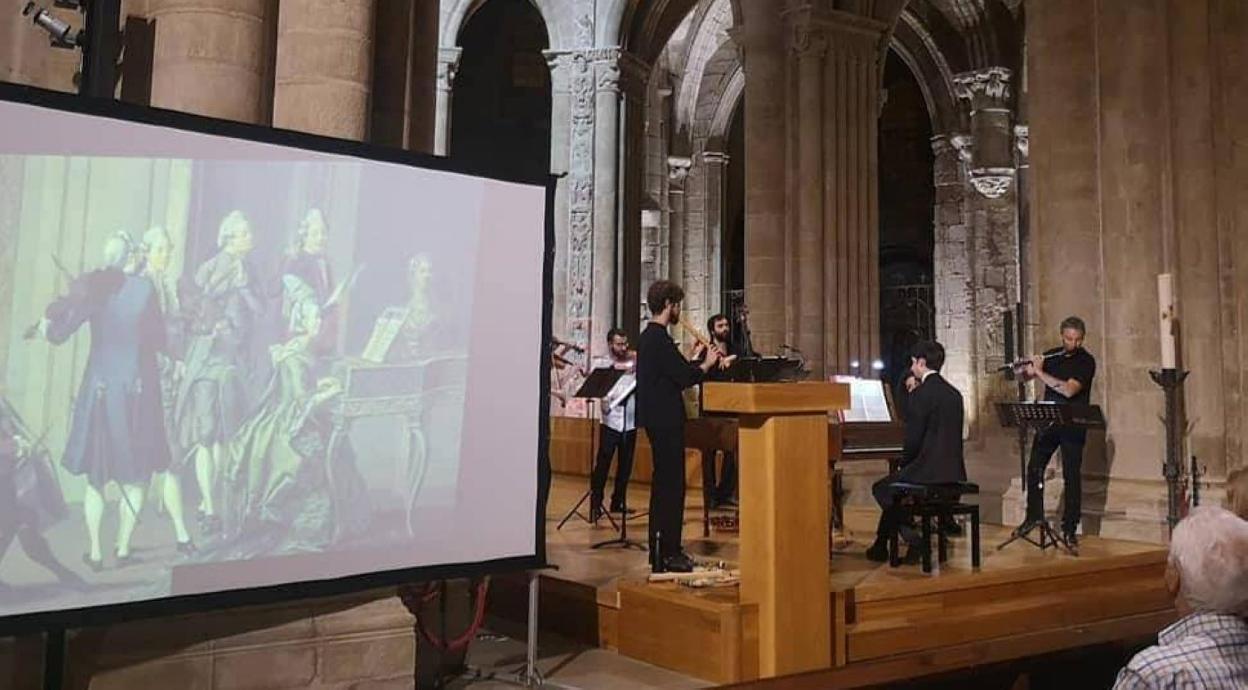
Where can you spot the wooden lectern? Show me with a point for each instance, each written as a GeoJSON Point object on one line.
{"type": "Point", "coordinates": [783, 446]}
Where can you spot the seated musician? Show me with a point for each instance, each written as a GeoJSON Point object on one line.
{"type": "Point", "coordinates": [932, 453]}
{"type": "Point", "coordinates": [723, 493]}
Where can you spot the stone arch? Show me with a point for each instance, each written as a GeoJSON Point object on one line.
{"type": "Point", "coordinates": [919, 48]}
{"type": "Point", "coordinates": [712, 23]}
{"type": "Point", "coordinates": [456, 13]}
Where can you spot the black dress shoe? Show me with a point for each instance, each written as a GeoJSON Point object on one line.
{"type": "Point", "coordinates": [1071, 537]}
{"type": "Point", "coordinates": [94, 565]}
{"type": "Point", "coordinates": [596, 511]}
{"type": "Point", "coordinates": [878, 551]}
{"type": "Point", "coordinates": [914, 556]}
{"type": "Point", "coordinates": [951, 528]}
{"type": "Point", "coordinates": [678, 563]}
{"type": "Point", "coordinates": [622, 509]}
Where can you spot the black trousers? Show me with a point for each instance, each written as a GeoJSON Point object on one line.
{"type": "Point", "coordinates": [890, 517]}
{"type": "Point", "coordinates": [1071, 441]}
{"type": "Point", "coordinates": [667, 490]}
{"type": "Point", "coordinates": [609, 441]}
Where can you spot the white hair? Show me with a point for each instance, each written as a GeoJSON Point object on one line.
{"type": "Point", "coordinates": [1209, 549]}
{"type": "Point", "coordinates": [117, 249]}
{"type": "Point", "coordinates": [233, 224]}
{"type": "Point", "coordinates": [156, 237]}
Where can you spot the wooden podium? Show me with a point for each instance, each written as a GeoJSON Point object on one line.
{"type": "Point", "coordinates": [783, 446]}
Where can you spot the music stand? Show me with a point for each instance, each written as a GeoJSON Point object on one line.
{"type": "Point", "coordinates": [1040, 417]}
{"type": "Point", "coordinates": [595, 387]}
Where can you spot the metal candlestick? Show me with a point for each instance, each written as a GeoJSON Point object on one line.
{"type": "Point", "coordinates": [1171, 381]}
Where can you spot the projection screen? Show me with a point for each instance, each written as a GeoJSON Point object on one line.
{"type": "Point", "coordinates": [229, 364]}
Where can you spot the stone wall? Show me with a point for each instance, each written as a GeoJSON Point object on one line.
{"type": "Point", "coordinates": [1136, 121]}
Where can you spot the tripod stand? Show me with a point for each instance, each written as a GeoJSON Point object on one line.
{"type": "Point", "coordinates": [1041, 417]}
{"type": "Point", "coordinates": [596, 386]}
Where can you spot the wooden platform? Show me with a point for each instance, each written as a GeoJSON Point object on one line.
{"type": "Point", "coordinates": [888, 624]}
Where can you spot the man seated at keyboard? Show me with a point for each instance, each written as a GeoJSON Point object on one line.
{"type": "Point", "coordinates": [932, 453]}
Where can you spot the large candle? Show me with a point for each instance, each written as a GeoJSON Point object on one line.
{"type": "Point", "coordinates": [1165, 303]}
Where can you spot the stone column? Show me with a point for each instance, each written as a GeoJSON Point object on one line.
{"type": "Point", "coordinates": [448, 62]}
{"type": "Point", "coordinates": [850, 187]}
{"type": "Point", "coordinates": [987, 92]}
{"type": "Point", "coordinates": [324, 67]}
{"type": "Point", "coordinates": [809, 45]}
{"type": "Point", "coordinates": [606, 199]}
{"type": "Point", "coordinates": [954, 262]}
{"type": "Point", "coordinates": [761, 38]}
{"type": "Point", "coordinates": [634, 77]}
{"type": "Point", "coordinates": [211, 57]}
{"type": "Point", "coordinates": [715, 169]}
{"type": "Point", "coordinates": [560, 147]}
{"type": "Point", "coordinates": [677, 173]}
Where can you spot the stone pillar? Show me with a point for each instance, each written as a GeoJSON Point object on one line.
{"type": "Point", "coordinates": [606, 270]}
{"type": "Point", "coordinates": [850, 187]}
{"type": "Point", "coordinates": [761, 38]}
{"type": "Point", "coordinates": [560, 152]}
{"type": "Point", "coordinates": [211, 57]}
{"type": "Point", "coordinates": [715, 169]}
{"type": "Point", "coordinates": [809, 45]}
{"type": "Point", "coordinates": [987, 91]}
{"type": "Point", "coordinates": [448, 62]}
{"type": "Point", "coordinates": [324, 67]}
{"type": "Point", "coordinates": [988, 161]}
{"type": "Point", "coordinates": [677, 173]}
{"type": "Point", "coordinates": [634, 78]}
{"type": "Point", "coordinates": [954, 262]}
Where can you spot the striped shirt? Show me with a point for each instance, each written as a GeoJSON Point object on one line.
{"type": "Point", "coordinates": [1201, 650]}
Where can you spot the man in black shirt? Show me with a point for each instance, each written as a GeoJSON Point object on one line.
{"type": "Point", "coordinates": [1067, 374]}
{"type": "Point", "coordinates": [932, 453]}
{"type": "Point", "coordinates": [662, 373]}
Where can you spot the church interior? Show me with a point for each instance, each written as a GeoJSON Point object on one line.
{"type": "Point", "coordinates": [846, 180]}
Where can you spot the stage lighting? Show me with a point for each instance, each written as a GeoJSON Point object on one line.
{"type": "Point", "coordinates": [62, 35]}
{"type": "Point", "coordinates": [877, 365]}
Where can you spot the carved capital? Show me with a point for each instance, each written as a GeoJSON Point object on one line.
{"type": "Point", "coordinates": [1022, 143]}
{"type": "Point", "coordinates": [678, 170]}
{"type": "Point", "coordinates": [984, 87]}
{"type": "Point", "coordinates": [992, 182]}
{"type": "Point", "coordinates": [448, 64]}
{"type": "Point", "coordinates": [808, 41]}
{"type": "Point", "coordinates": [964, 145]}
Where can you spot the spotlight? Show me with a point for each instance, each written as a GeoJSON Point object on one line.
{"type": "Point", "coordinates": [877, 365]}
{"type": "Point", "coordinates": [62, 35]}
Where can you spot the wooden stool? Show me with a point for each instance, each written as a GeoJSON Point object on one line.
{"type": "Point", "coordinates": [939, 502]}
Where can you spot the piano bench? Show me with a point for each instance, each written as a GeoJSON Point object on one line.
{"type": "Point", "coordinates": [939, 503]}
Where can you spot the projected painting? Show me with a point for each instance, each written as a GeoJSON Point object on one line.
{"type": "Point", "coordinates": [220, 369]}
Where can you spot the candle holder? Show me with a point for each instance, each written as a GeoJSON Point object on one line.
{"type": "Point", "coordinates": [1171, 382]}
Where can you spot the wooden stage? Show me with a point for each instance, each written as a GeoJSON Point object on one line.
{"type": "Point", "coordinates": [888, 624]}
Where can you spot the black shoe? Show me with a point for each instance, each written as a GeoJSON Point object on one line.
{"type": "Point", "coordinates": [186, 548]}
{"type": "Point", "coordinates": [680, 563]}
{"type": "Point", "coordinates": [622, 509]}
{"type": "Point", "coordinates": [94, 565]}
{"type": "Point", "coordinates": [727, 502]}
{"type": "Point", "coordinates": [596, 511]}
{"type": "Point", "coordinates": [1071, 537]}
{"type": "Point", "coordinates": [914, 556]}
{"type": "Point", "coordinates": [878, 551]}
{"type": "Point", "coordinates": [951, 528]}
{"type": "Point", "coordinates": [124, 561]}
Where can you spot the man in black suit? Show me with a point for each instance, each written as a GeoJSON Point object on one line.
{"type": "Point", "coordinates": [933, 449]}
{"type": "Point", "coordinates": [662, 373]}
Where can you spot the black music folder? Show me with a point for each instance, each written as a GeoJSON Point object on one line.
{"type": "Point", "coordinates": [599, 382]}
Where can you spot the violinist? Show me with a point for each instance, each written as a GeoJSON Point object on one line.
{"type": "Point", "coordinates": [618, 430]}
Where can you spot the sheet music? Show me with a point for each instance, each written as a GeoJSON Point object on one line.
{"type": "Point", "coordinates": [621, 390]}
{"type": "Point", "coordinates": [867, 400]}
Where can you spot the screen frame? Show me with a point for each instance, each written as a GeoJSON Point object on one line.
{"type": "Point", "coordinates": [106, 614]}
